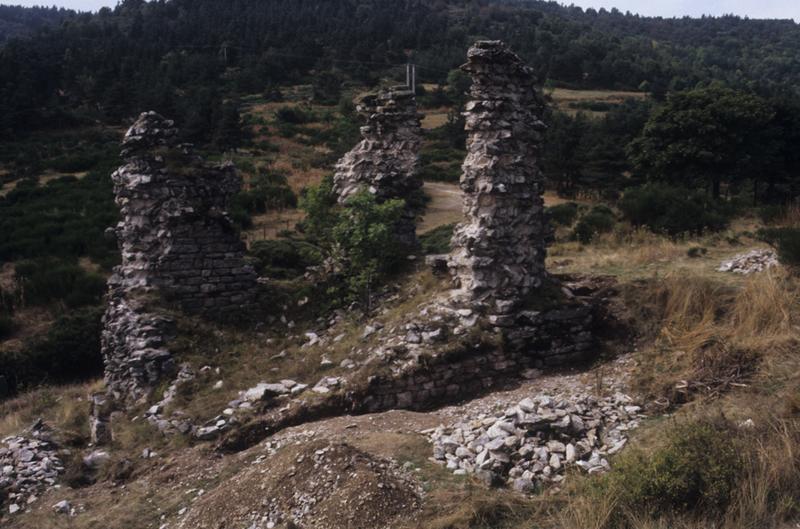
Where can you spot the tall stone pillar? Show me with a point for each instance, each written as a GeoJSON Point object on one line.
{"type": "Point", "coordinates": [386, 161]}
{"type": "Point", "coordinates": [179, 248]}
{"type": "Point", "coordinates": [498, 256]}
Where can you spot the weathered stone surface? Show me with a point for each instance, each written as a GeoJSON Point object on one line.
{"type": "Point", "coordinates": [526, 452]}
{"type": "Point", "coordinates": [386, 161]}
{"type": "Point", "coordinates": [29, 465]}
{"type": "Point", "coordinates": [499, 250]}
{"type": "Point", "coordinates": [177, 244]}
{"type": "Point", "coordinates": [751, 262]}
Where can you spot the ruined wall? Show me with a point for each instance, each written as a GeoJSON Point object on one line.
{"type": "Point", "coordinates": [175, 234]}
{"type": "Point", "coordinates": [499, 250]}
{"type": "Point", "coordinates": [386, 161]}
{"type": "Point", "coordinates": [546, 339]}
{"type": "Point", "coordinates": [178, 246]}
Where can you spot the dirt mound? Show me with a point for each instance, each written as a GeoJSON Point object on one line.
{"type": "Point", "coordinates": [317, 485]}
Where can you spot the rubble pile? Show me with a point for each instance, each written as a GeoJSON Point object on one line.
{"type": "Point", "coordinates": [532, 443]}
{"type": "Point", "coordinates": [498, 253]}
{"type": "Point", "coordinates": [386, 161]}
{"type": "Point", "coordinates": [751, 262]}
{"type": "Point", "coordinates": [29, 464]}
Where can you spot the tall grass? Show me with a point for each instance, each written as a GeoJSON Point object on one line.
{"type": "Point", "coordinates": [710, 336]}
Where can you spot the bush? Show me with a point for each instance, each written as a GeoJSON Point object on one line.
{"type": "Point", "coordinates": [43, 281]}
{"type": "Point", "coordinates": [66, 218]}
{"type": "Point", "coordinates": [600, 219]}
{"type": "Point", "coordinates": [696, 251]}
{"type": "Point", "coordinates": [786, 241]}
{"type": "Point", "coordinates": [69, 352]}
{"type": "Point", "coordinates": [672, 210]}
{"type": "Point", "coordinates": [284, 259]}
{"type": "Point", "coordinates": [563, 214]}
{"type": "Point", "coordinates": [293, 116]}
{"type": "Point", "coordinates": [364, 244]}
{"type": "Point", "coordinates": [7, 326]}
{"type": "Point", "coordinates": [695, 470]}
{"type": "Point", "coordinates": [437, 241]}
{"type": "Point", "coordinates": [357, 240]}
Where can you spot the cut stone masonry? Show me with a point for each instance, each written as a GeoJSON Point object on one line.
{"type": "Point", "coordinates": [178, 246]}
{"type": "Point", "coordinates": [386, 161]}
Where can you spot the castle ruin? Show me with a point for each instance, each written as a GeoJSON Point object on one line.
{"type": "Point", "coordinates": [179, 248]}
{"type": "Point", "coordinates": [386, 161]}
{"type": "Point", "coordinates": [498, 255]}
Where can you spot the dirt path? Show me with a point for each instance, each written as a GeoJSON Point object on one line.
{"type": "Point", "coordinates": [444, 207]}
{"type": "Point", "coordinates": [446, 203]}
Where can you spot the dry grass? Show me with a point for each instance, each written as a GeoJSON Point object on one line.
{"type": "Point", "coordinates": [65, 408]}
{"type": "Point", "coordinates": [434, 118]}
{"type": "Point", "coordinates": [711, 336]}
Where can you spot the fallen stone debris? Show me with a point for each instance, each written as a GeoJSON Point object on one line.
{"type": "Point", "coordinates": [751, 262]}
{"type": "Point", "coordinates": [532, 443]}
{"type": "Point", "coordinates": [29, 465]}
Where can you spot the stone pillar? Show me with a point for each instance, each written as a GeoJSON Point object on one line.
{"type": "Point", "coordinates": [178, 246]}
{"type": "Point", "coordinates": [386, 161]}
{"type": "Point", "coordinates": [175, 234]}
{"type": "Point", "coordinates": [498, 253]}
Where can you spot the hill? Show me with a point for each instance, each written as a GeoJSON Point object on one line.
{"type": "Point", "coordinates": [160, 54]}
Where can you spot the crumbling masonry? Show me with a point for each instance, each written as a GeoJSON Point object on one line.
{"type": "Point", "coordinates": [178, 247]}
{"type": "Point", "coordinates": [499, 250]}
{"type": "Point", "coordinates": [386, 161]}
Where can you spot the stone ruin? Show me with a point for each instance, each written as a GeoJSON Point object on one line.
{"type": "Point", "coordinates": [179, 248]}
{"type": "Point", "coordinates": [505, 320]}
{"type": "Point", "coordinates": [498, 255]}
{"type": "Point", "coordinates": [386, 161]}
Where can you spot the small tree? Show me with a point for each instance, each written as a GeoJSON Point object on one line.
{"type": "Point", "coordinates": [357, 240]}
{"type": "Point", "coordinates": [364, 243]}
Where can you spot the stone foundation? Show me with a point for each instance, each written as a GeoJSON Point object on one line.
{"type": "Point", "coordinates": [552, 338]}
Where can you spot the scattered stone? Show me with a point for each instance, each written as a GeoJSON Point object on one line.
{"type": "Point", "coordinates": [751, 262]}
{"type": "Point", "coordinates": [62, 507]}
{"type": "Point", "coordinates": [30, 466]}
{"type": "Point", "coordinates": [536, 440]}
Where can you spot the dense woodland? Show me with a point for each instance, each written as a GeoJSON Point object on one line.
{"type": "Point", "coordinates": [184, 57]}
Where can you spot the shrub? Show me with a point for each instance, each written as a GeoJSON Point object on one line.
{"type": "Point", "coordinates": [563, 214]}
{"type": "Point", "coordinates": [7, 326]}
{"type": "Point", "coordinates": [786, 241]}
{"type": "Point", "coordinates": [356, 240]}
{"type": "Point", "coordinates": [672, 210]}
{"type": "Point", "coordinates": [696, 470]}
{"type": "Point", "coordinates": [364, 243]}
{"type": "Point", "coordinates": [293, 116]}
{"type": "Point", "coordinates": [437, 241]}
{"type": "Point", "coordinates": [284, 259]}
{"type": "Point", "coordinates": [696, 251]}
{"type": "Point", "coordinates": [65, 218]}
{"type": "Point", "coordinates": [600, 219]}
{"type": "Point", "coordinates": [69, 352]}
{"type": "Point", "coordinates": [46, 280]}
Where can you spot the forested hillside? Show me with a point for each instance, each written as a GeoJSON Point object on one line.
{"type": "Point", "coordinates": [17, 21]}
{"type": "Point", "coordinates": [183, 57]}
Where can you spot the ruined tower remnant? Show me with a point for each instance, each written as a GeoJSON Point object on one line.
{"type": "Point", "coordinates": [386, 161]}
{"type": "Point", "coordinates": [178, 246]}
{"type": "Point", "coordinates": [499, 250]}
